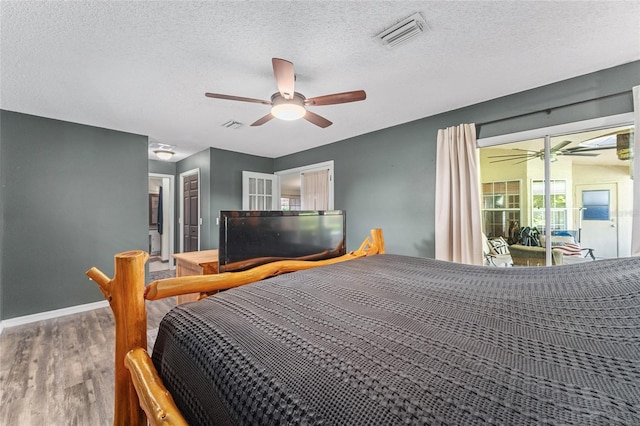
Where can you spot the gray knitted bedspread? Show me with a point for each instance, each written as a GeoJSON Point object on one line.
{"type": "Point", "coordinates": [400, 340]}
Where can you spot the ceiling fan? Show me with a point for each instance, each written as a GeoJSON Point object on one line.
{"type": "Point", "coordinates": [287, 104]}
{"type": "Point", "coordinates": [557, 150]}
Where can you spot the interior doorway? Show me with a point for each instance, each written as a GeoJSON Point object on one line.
{"type": "Point", "coordinates": [302, 188]}
{"type": "Point", "coordinates": [308, 187]}
{"type": "Point", "coordinates": [161, 221]}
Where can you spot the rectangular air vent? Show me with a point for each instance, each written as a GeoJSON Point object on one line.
{"type": "Point", "coordinates": [232, 124]}
{"type": "Point", "coordinates": [403, 31]}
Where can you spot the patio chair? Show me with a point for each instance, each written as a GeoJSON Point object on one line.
{"type": "Point", "coordinates": [565, 242]}
{"type": "Point", "coordinates": [496, 252]}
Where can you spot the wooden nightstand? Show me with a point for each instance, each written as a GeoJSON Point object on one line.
{"type": "Point", "coordinates": [195, 263]}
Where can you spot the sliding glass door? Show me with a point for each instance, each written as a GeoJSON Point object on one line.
{"type": "Point", "coordinates": [573, 192]}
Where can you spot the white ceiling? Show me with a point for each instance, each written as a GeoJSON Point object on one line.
{"type": "Point", "coordinates": [143, 67]}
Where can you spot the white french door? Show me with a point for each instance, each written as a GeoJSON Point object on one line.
{"type": "Point", "coordinates": [260, 191]}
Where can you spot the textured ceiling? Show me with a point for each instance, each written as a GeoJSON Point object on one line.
{"type": "Point", "coordinates": [143, 67]}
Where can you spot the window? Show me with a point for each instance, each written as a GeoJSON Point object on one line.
{"type": "Point", "coordinates": [558, 204]}
{"type": "Point", "coordinates": [290, 203]}
{"type": "Point", "coordinates": [500, 206]}
{"type": "Point", "coordinates": [596, 205]}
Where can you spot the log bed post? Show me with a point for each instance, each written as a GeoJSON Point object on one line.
{"type": "Point", "coordinates": [125, 295]}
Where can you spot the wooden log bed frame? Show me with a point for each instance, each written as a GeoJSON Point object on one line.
{"type": "Point", "coordinates": [140, 395]}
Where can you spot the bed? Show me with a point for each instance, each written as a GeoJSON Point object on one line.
{"type": "Point", "coordinates": [390, 339]}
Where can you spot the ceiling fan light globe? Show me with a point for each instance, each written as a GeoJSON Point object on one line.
{"type": "Point", "coordinates": [288, 111]}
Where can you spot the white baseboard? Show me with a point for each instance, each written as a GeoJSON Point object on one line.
{"type": "Point", "coordinates": [27, 319]}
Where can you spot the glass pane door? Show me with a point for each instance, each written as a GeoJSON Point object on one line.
{"type": "Point", "coordinates": [259, 191]}
{"type": "Point", "coordinates": [590, 193]}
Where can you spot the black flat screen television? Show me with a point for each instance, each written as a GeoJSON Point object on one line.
{"type": "Point", "coordinates": [252, 238]}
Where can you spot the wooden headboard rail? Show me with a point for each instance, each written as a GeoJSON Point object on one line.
{"type": "Point", "coordinates": [140, 395]}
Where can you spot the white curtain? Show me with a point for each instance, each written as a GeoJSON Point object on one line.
{"type": "Point", "coordinates": [315, 190]}
{"type": "Point", "coordinates": [635, 233]}
{"type": "Point", "coordinates": [458, 220]}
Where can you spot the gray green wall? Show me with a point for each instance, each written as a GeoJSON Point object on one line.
{"type": "Point", "coordinates": [220, 186]}
{"type": "Point", "coordinates": [387, 178]}
{"type": "Point", "coordinates": [72, 197]}
{"type": "Point", "coordinates": [383, 179]}
{"type": "Point", "coordinates": [226, 182]}
{"type": "Point", "coordinates": [162, 167]}
{"type": "Point", "coordinates": [202, 162]}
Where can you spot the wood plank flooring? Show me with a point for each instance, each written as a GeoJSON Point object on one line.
{"type": "Point", "coordinates": [60, 371]}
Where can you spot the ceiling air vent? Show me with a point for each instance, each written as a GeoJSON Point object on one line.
{"type": "Point", "coordinates": [403, 31]}
{"type": "Point", "coordinates": [232, 124]}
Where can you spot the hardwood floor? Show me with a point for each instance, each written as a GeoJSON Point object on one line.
{"type": "Point", "coordinates": [60, 371]}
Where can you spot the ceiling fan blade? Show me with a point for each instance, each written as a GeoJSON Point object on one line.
{"type": "Point", "coordinates": [524, 161]}
{"type": "Point", "coordinates": [514, 158]}
{"type": "Point", "coordinates": [528, 150]}
{"type": "Point", "coordinates": [285, 77]}
{"type": "Point", "coordinates": [579, 154]}
{"type": "Point", "coordinates": [262, 120]}
{"type": "Point", "coordinates": [337, 98]}
{"type": "Point", "coordinates": [236, 98]}
{"type": "Point", "coordinates": [514, 155]}
{"type": "Point", "coordinates": [585, 149]}
{"type": "Point", "coordinates": [317, 119]}
{"type": "Point", "coordinates": [615, 132]}
{"type": "Point", "coordinates": [559, 146]}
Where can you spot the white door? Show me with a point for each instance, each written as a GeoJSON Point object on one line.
{"type": "Point", "coordinates": [260, 191]}
{"type": "Point", "coordinates": [598, 221]}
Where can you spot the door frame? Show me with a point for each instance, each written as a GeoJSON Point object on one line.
{"type": "Point", "coordinates": [558, 130]}
{"type": "Point", "coordinates": [326, 165]}
{"type": "Point", "coordinates": [169, 213]}
{"type": "Point", "coordinates": [180, 221]}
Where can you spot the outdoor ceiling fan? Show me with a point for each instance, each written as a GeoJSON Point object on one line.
{"type": "Point", "coordinates": [287, 104]}
{"type": "Point", "coordinates": [526, 154]}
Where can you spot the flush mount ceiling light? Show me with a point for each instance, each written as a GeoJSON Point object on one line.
{"type": "Point", "coordinates": [162, 150]}
{"type": "Point", "coordinates": [164, 154]}
{"type": "Point", "coordinates": [403, 31]}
